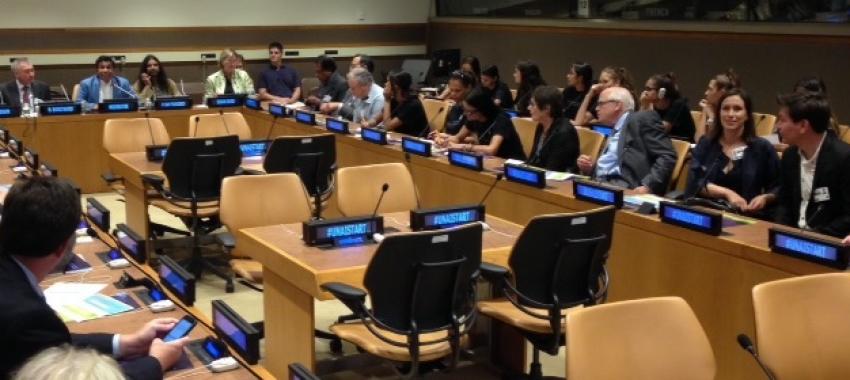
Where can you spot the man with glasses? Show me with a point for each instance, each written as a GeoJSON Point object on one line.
{"type": "Point", "coordinates": [638, 155]}
{"type": "Point", "coordinates": [279, 83]}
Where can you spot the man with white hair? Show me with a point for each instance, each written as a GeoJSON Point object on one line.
{"type": "Point", "coordinates": [638, 155]}
{"type": "Point", "coordinates": [364, 102]}
{"type": "Point", "coordinates": [24, 87]}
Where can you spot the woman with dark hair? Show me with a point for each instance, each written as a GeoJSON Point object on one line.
{"type": "Point", "coordinates": [460, 84]}
{"type": "Point", "coordinates": [579, 80]}
{"type": "Point", "coordinates": [527, 77]}
{"type": "Point", "coordinates": [153, 81]}
{"type": "Point", "coordinates": [556, 145]}
{"type": "Point", "coordinates": [403, 112]}
{"type": "Point", "coordinates": [717, 87]}
{"type": "Point", "coordinates": [662, 95]}
{"type": "Point", "coordinates": [491, 131]}
{"type": "Point", "coordinates": [501, 93]}
{"type": "Point", "coordinates": [733, 164]}
{"type": "Point", "coordinates": [611, 76]}
{"type": "Point", "coordinates": [468, 65]}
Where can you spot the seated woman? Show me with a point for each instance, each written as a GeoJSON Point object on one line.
{"type": "Point", "coordinates": [662, 95]}
{"type": "Point", "coordinates": [717, 87]}
{"type": "Point", "coordinates": [527, 77]}
{"type": "Point", "coordinates": [732, 163]}
{"type": "Point", "coordinates": [501, 93]}
{"type": "Point", "coordinates": [469, 65]}
{"type": "Point", "coordinates": [556, 145]}
{"type": "Point", "coordinates": [460, 84]}
{"type": "Point", "coordinates": [491, 130]}
{"type": "Point", "coordinates": [153, 82]}
{"type": "Point", "coordinates": [403, 113]}
{"type": "Point", "coordinates": [610, 76]}
{"type": "Point", "coordinates": [229, 79]}
{"type": "Point", "coordinates": [579, 80]}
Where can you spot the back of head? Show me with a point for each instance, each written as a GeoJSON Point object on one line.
{"type": "Point", "coordinates": [810, 106]}
{"type": "Point", "coordinates": [39, 215]}
{"type": "Point", "coordinates": [69, 363]}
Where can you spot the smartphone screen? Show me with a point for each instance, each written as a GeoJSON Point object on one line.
{"type": "Point", "coordinates": [181, 329]}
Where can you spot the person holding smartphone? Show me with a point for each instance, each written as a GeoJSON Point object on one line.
{"type": "Point", "coordinates": [37, 231]}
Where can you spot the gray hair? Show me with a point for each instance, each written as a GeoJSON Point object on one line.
{"type": "Point", "coordinates": [622, 96]}
{"type": "Point", "coordinates": [16, 64]}
{"type": "Point", "coordinates": [69, 363]}
{"type": "Point", "coordinates": [362, 76]}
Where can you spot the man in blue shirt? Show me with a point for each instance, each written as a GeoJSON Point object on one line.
{"type": "Point", "coordinates": [279, 83]}
{"type": "Point", "coordinates": [105, 85]}
{"type": "Point", "coordinates": [639, 155]}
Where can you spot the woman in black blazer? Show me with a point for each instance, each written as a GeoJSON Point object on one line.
{"type": "Point", "coordinates": [732, 163]}
{"type": "Point", "coordinates": [556, 145]}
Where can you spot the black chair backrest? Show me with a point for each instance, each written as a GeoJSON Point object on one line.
{"type": "Point", "coordinates": [195, 167]}
{"type": "Point", "coordinates": [424, 277]}
{"type": "Point", "coordinates": [562, 255]}
{"type": "Point", "coordinates": [311, 157]}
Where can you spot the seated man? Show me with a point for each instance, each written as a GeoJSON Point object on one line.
{"type": "Point", "coordinates": [815, 190]}
{"type": "Point", "coordinates": [18, 92]}
{"type": "Point", "coordinates": [364, 102]}
{"type": "Point", "coordinates": [37, 231]}
{"type": "Point", "coordinates": [639, 155]}
{"type": "Point", "coordinates": [334, 87]}
{"type": "Point", "coordinates": [342, 107]}
{"type": "Point", "coordinates": [105, 85]}
{"type": "Point", "coordinates": [279, 83]}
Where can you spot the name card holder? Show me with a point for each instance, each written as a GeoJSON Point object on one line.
{"type": "Point", "coordinates": [526, 175]}
{"type": "Point", "coordinates": [253, 148]}
{"type": "Point", "coordinates": [374, 135]}
{"type": "Point", "coordinates": [131, 242]}
{"type": "Point", "coordinates": [9, 111]}
{"type": "Point", "coordinates": [337, 126]}
{"type": "Point", "coordinates": [416, 146]}
{"type": "Point", "coordinates": [97, 214]}
{"type": "Point", "coordinates": [225, 101]}
{"type": "Point", "coordinates": [342, 231]}
{"type": "Point", "coordinates": [445, 217]}
{"type": "Point", "coordinates": [698, 219]}
{"type": "Point", "coordinates": [177, 280]}
{"type": "Point", "coordinates": [170, 103]}
{"type": "Point", "coordinates": [47, 170]}
{"type": "Point", "coordinates": [305, 117]}
{"type": "Point", "coordinates": [156, 153]}
{"type": "Point", "coordinates": [253, 103]}
{"type": "Point", "coordinates": [59, 109]}
{"type": "Point", "coordinates": [598, 193]}
{"type": "Point", "coordinates": [232, 328]}
{"type": "Point", "coordinates": [118, 105]}
{"type": "Point", "coordinates": [824, 250]}
{"type": "Point", "coordinates": [278, 110]}
{"type": "Point", "coordinates": [466, 160]}
{"type": "Point", "coordinates": [30, 159]}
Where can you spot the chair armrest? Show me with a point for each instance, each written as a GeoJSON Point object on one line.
{"type": "Point", "coordinates": [154, 181]}
{"type": "Point", "coordinates": [110, 178]}
{"type": "Point", "coordinates": [493, 273]}
{"type": "Point", "coordinates": [226, 239]}
{"type": "Point", "coordinates": [352, 297]}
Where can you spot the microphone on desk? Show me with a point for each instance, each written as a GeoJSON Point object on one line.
{"type": "Point", "coordinates": [197, 122]}
{"type": "Point", "coordinates": [223, 120]}
{"type": "Point", "coordinates": [182, 89]}
{"type": "Point", "coordinates": [65, 92]}
{"type": "Point", "coordinates": [493, 186]}
{"type": "Point", "coordinates": [410, 169]}
{"type": "Point", "coordinates": [427, 128]}
{"type": "Point", "coordinates": [384, 189]}
{"type": "Point", "coordinates": [814, 217]}
{"type": "Point", "coordinates": [271, 127]}
{"type": "Point", "coordinates": [745, 343]}
{"type": "Point", "coordinates": [150, 129]}
{"type": "Point", "coordinates": [125, 92]}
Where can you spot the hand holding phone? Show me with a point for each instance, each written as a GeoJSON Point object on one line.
{"type": "Point", "coordinates": [181, 329]}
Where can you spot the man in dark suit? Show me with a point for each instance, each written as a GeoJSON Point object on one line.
{"type": "Point", "coordinates": [37, 231]}
{"type": "Point", "coordinates": [815, 189]}
{"type": "Point", "coordinates": [638, 155]}
{"type": "Point", "coordinates": [18, 91]}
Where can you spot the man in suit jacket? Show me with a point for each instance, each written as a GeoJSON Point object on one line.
{"type": "Point", "coordinates": [14, 91]}
{"type": "Point", "coordinates": [815, 189]}
{"type": "Point", "coordinates": [639, 155]}
{"type": "Point", "coordinates": [105, 85]}
{"type": "Point", "coordinates": [37, 231]}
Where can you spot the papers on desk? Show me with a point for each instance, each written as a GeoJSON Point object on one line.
{"type": "Point", "coordinates": [79, 302]}
{"type": "Point", "coordinates": [561, 176]}
{"type": "Point", "coordinates": [637, 200]}
{"type": "Point", "coordinates": [295, 106]}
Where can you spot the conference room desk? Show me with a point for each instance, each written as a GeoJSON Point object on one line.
{"type": "Point", "coordinates": [74, 143]}
{"type": "Point", "coordinates": [293, 272]}
{"type": "Point", "coordinates": [648, 258]}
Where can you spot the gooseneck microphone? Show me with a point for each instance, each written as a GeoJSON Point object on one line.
{"type": "Point", "coordinates": [747, 344]}
{"type": "Point", "coordinates": [493, 186]}
{"type": "Point", "coordinates": [125, 92]}
{"type": "Point", "coordinates": [197, 123]}
{"type": "Point", "coordinates": [150, 129]}
{"type": "Point", "coordinates": [223, 120]}
{"type": "Point", "coordinates": [65, 92]}
{"type": "Point", "coordinates": [384, 189]}
{"type": "Point", "coordinates": [271, 128]}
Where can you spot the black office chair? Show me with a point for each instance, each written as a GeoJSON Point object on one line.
{"type": "Point", "coordinates": [557, 263]}
{"type": "Point", "coordinates": [195, 168]}
{"type": "Point", "coordinates": [313, 158]}
{"type": "Point", "coordinates": [422, 290]}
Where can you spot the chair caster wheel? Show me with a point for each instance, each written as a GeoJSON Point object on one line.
{"type": "Point", "coordinates": [336, 346]}
{"type": "Point", "coordinates": [229, 287]}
